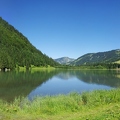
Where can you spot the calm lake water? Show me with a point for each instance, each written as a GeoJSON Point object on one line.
{"type": "Point", "coordinates": [32, 84]}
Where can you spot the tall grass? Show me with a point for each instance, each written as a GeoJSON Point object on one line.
{"type": "Point", "coordinates": [60, 103]}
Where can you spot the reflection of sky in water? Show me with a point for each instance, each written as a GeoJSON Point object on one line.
{"type": "Point", "coordinates": [60, 86]}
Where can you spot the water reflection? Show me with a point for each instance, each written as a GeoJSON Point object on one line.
{"type": "Point", "coordinates": [100, 77]}
{"type": "Point", "coordinates": [14, 84]}
{"type": "Point", "coordinates": [77, 80]}
{"type": "Point", "coordinates": [103, 77]}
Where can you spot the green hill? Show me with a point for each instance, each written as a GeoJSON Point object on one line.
{"type": "Point", "coordinates": [112, 56]}
{"type": "Point", "coordinates": [15, 49]}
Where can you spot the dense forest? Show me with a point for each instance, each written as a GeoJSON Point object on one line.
{"type": "Point", "coordinates": [16, 50]}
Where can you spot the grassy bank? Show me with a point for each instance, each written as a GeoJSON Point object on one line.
{"type": "Point", "coordinates": [34, 68]}
{"type": "Point", "coordinates": [96, 105]}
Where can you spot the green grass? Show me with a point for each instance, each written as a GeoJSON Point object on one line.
{"type": "Point", "coordinates": [34, 68]}
{"type": "Point", "coordinates": [117, 62]}
{"type": "Point", "coordinates": [95, 105]}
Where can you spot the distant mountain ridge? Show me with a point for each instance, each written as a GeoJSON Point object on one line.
{"type": "Point", "coordinates": [64, 60]}
{"type": "Point", "coordinates": [100, 57]}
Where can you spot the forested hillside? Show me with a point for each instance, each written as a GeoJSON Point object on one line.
{"type": "Point", "coordinates": [107, 57]}
{"type": "Point", "coordinates": [15, 49]}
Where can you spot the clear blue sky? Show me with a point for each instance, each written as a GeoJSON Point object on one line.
{"type": "Point", "coordinates": [66, 27]}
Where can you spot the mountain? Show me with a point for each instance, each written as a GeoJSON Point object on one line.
{"type": "Point", "coordinates": [15, 49]}
{"type": "Point", "coordinates": [100, 57]}
{"type": "Point", "coordinates": [64, 60]}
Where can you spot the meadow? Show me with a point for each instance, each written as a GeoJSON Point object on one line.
{"type": "Point", "coordinates": [93, 105]}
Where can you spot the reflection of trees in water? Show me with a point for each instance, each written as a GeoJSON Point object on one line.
{"type": "Point", "coordinates": [101, 77]}
{"type": "Point", "coordinates": [14, 84]}
{"type": "Point", "coordinates": [65, 75]}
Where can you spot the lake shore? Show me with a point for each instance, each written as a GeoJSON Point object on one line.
{"type": "Point", "coordinates": [98, 104]}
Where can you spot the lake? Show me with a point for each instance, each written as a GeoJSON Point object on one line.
{"type": "Point", "coordinates": [52, 82]}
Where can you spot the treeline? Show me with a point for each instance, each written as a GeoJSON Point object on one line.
{"type": "Point", "coordinates": [102, 66]}
{"type": "Point", "coordinates": [92, 66]}
{"type": "Point", "coordinates": [15, 49]}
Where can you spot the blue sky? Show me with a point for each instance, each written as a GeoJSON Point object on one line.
{"type": "Point", "coordinates": [70, 28]}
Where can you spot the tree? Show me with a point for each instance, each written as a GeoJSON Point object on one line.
{"type": "Point", "coordinates": [5, 60]}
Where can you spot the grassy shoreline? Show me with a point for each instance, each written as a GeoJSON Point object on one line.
{"type": "Point", "coordinates": [99, 104]}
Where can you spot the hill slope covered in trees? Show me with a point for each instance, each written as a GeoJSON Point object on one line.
{"type": "Point", "coordinates": [15, 49]}
{"type": "Point", "coordinates": [112, 56]}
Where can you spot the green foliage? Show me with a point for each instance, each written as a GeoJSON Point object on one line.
{"type": "Point", "coordinates": [101, 66]}
{"type": "Point", "coordinates": [15, 49]}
